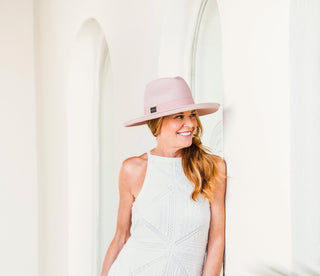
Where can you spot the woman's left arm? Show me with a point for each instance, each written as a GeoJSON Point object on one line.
{"type": "Point", "coordinates": [216, 239]}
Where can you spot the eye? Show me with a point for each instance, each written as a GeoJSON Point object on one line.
{"type": "Point", "coordinates": [179, 116]}
{"type": "Point", "coordinates": [193, 115]}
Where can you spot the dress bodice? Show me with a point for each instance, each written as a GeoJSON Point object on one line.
{"type": "Point", "coordinates": [169, 231]}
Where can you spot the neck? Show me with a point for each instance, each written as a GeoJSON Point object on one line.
{"type": "Point", "coordinates": [166, 151]}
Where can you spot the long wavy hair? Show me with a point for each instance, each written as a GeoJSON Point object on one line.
{"type": "Point", "coordinates": [197, 161]}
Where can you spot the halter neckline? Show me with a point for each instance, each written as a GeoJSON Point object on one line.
{"type": "Point", "coordinates": [164, 157]}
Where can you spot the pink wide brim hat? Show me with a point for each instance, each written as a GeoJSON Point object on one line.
{"type": "Point", "coordinates": [166, 96]}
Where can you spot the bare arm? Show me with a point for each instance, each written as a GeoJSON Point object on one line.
{"type": "Point", "coordinates": [215, 249]}
{"type": "Point", "coordinates": [126, 179]}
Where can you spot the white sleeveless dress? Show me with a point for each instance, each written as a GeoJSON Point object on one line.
{"type": "Point", "coordinates": [169, 231]}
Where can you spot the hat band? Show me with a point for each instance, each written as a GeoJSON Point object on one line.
{"type": "Point", "coordinates": [161, 107]}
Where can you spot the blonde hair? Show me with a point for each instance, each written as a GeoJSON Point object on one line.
{"type": "Point", "coordinates": [198, 163]}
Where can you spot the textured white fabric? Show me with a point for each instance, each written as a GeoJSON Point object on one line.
{"type": "Point", "coordinates": [169, 230]}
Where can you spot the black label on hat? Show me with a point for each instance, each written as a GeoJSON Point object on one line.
{"type": "Point", "coordinates": [153, 109]}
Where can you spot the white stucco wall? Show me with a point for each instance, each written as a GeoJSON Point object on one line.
{"type": "Point", "coordinates": [257, 135]}
{"type": "Point", "coordinates": [18, 172]}
{"type": "Point", "coordinates": [305, 135]}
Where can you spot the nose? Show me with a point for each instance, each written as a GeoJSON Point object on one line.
{"type": "Point", "coordinates": [189, 122]}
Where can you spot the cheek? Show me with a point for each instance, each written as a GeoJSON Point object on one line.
{"type": "Point", "coordinates": [173, 128]}
{"type": "Point", "coordinates": [170, 132]}
{"type": "Point", "coordinates": [170, 129]}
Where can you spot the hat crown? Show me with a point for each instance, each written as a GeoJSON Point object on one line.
{"type": "Point", "coordinates": [166, 92]}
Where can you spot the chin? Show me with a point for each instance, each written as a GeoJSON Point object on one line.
{"type": "Point", "coordinates": [186, 145]}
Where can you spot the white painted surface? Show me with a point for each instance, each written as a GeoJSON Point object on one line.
{"type": "Point", "coordinates": [256, 135]}
{"type": "Point", "coordinates": [18, 167]}
{"type": "Point", "coordinates": [305, 134]}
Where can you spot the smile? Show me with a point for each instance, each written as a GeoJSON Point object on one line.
{"type": "Point", "coordinates": [185, 133]}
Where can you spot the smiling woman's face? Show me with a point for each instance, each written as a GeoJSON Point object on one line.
{"type": "Point", "coordinates": [177, 129]}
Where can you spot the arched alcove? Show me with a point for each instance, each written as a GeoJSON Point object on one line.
{"type": "Point", "coordinates": [90, 150]}
{"type": "Point", "coordinates": [206, 71]}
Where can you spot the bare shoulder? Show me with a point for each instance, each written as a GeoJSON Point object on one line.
{"type": "Point", "coordinates": [132, 173]}
{"type": "Point", "coordinates": [221, 163]}
{"type": "Point", "coordinates": [222, 173]}
{"type": "Point", "coordinates": [133, 165]}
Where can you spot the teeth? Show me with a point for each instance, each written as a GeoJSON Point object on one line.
{"type": "Point", "coordinates": [185, 133]}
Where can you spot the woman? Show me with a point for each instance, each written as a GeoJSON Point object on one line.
{"type": "Point", "coordinates": [171, 216]}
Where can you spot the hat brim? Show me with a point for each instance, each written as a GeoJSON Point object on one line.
{"type": "Point", "coordinates": [202, 109]}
